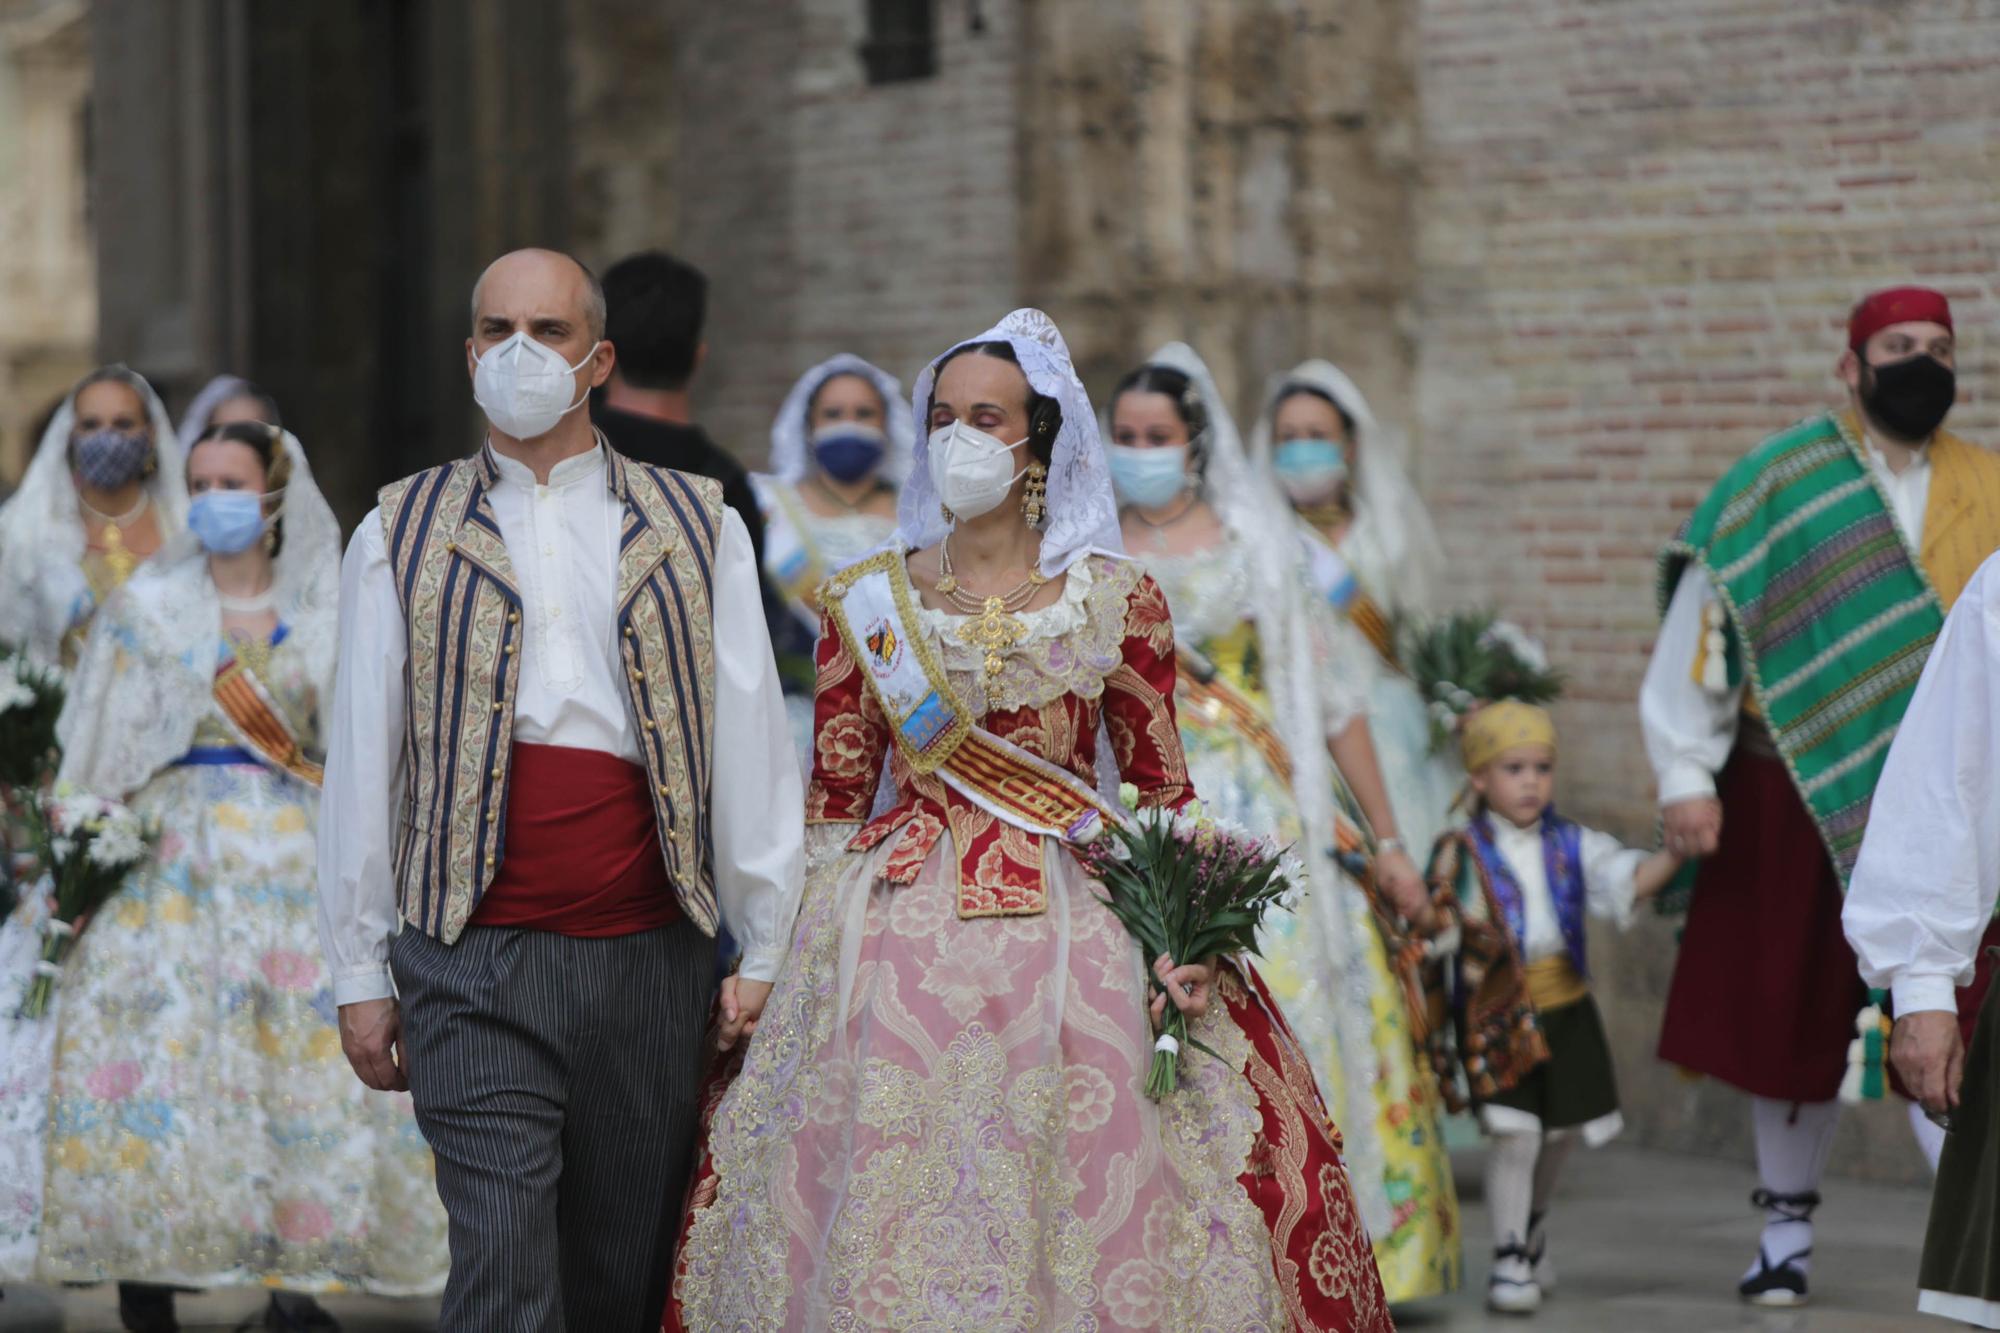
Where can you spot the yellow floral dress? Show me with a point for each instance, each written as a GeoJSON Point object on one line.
{"type": "Point", "coordinates": [1381, 1094]}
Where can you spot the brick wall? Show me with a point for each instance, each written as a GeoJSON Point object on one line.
{"type": "Point", "coordinates": [834, 216]}
{"type": "Point", "coordinates": [1640, 228]}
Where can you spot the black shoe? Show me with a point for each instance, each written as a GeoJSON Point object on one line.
{"type": "Point", "coordinates": [144, 1308]}
{"type": "Point", "coordinates": [1782, 1284]}
{"type": "Point", "coordinates": [290, 1312]}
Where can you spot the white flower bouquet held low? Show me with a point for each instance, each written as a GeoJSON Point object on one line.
{"type": "Point", "coordinates": [1188, 887]}
{"type": "Point", "coordinates": [88, 846]}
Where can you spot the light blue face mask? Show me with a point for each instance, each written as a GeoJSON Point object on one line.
{"type": "Point", "coordinates": [1310, 470]}
{"type": "Point", "coordinates": [1148, 478]}
{"type": "Point", "coordinates": [226, 522]}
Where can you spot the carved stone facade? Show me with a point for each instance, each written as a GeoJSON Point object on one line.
{"type": "Point", "coordinates": [47, 278]}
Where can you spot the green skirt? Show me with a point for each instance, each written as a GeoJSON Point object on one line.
{"type": "Point", "coordinates": [1576, 1085]}
{"type": "Point", "coordinates": [1960, 1274]}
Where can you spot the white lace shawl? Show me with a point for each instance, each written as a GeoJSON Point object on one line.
{"type": "Point", "coordinates": [42, 536]}
{"type": "Point", "coordinates": [791, 434]}
{"type": "Point", "coordinates": [1083, 516]}
{"type": "Point", "coordinates": [148, 669]}
{"type": "Point", "coordinates": [1393, 546]}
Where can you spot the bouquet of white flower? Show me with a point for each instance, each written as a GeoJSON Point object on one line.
{"type": "Point", "coordinates": [88, 846]}
{"type": "Point", "coordinates": [31, 700]}
{"type": "Point", "coordinates": [1187, 886]}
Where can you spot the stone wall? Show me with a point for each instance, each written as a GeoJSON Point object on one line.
{"type": "Point", "coordinates": [48, 285]}
{"type": "Point", "coordinates": [832, 215]}
{"type": "Point", "coordinates": [1640, 230]}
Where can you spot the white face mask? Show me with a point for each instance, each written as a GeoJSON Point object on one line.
{"type": "Point", "coordinates": [524, 387]}
{"type": "Point", "coordinates": [971, 469]}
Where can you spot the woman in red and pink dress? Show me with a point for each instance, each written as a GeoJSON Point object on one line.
{"type": "Point", "coordinates": [940, 1120]}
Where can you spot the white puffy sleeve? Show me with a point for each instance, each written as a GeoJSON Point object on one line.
{"type": "Point", "coordinates": [1924, 888]}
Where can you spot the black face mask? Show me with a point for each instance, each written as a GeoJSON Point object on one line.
{"type": "Point", "coordinates": [1909, 398]}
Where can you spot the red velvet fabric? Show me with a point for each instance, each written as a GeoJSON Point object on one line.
{"type": "Point", "coordinates": [581, 855]}
{"type": "Point", "coordinates": [1766, 988]}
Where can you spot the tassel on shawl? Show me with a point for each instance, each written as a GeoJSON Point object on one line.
{"type": "Point", "coordinates": [1866, 1079]}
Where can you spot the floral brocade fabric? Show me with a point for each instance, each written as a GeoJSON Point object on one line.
{"type": "Point", "coordinates": [940, 1123]}
{"type": "Point", "coordinates": [184, 1114]}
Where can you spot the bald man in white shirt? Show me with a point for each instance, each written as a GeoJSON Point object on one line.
{"type": "Point", "coordinates": [559, 761]}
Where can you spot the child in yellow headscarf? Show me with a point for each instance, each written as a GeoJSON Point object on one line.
{"type": "Point", "coordinates": [1517, 879]}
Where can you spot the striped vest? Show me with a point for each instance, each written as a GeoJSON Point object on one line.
{"type": "Point", "coordinates": [462, 612]}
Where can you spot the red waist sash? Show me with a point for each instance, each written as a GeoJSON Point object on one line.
{"type": "Point", "coordinates": [581, 854]}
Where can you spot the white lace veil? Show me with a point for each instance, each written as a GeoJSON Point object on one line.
{"type": "Point", "coordinates": [1260, 521]}
{"type": "Point", "coordinates": [42, 537]}
{"type": "Point", "coordinates": [211, 396]}
{"type": "Point", "coordinates": [791, 449]}
{"type": "Point", "coordinates": [1392, 528]}
{"type": "Point", "coordinates": [1083, 516]}
{"type": "Point", "coordinates": [149, 665]}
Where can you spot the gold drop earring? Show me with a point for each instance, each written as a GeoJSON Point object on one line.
{"type": "Point", "coordinates": [1035, 495]}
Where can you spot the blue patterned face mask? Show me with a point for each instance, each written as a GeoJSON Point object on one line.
{"type": "Point", "coordinates": [108, 460]}
{"type": "Point", "coordinates": [1310, 470]}
{"type": "Point", "coordinates": [226, 522]}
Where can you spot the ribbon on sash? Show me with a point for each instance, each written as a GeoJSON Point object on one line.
{"type": "Point", "coordinates": [258, 725]}
{"type": "Point", "coordinates": [872, 609]}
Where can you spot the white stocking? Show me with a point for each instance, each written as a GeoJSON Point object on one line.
{"type": "Point", "coordinates": [1793, 1140]}
{"type": "Point", "coordinates": [1930, 1138]}
{"type": "Point", "coordinates": [1510, 1185]}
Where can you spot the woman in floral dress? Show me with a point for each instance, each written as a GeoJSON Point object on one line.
{"type": "Point", "coordinates": [183, 1116]}
{"type": "Point", "coordinates": [940, 1121]}
{"type": "Point", "coordinates": [1273, 686]}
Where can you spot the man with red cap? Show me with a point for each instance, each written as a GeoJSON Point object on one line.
{"type": "Point", "coordinates": [1800, 602]}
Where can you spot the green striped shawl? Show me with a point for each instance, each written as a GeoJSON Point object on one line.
{"type": "Point", "coordinates": [1830, 614]}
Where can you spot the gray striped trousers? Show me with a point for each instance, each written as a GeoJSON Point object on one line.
{"type": "Point", "coordinates": [556, 1080]}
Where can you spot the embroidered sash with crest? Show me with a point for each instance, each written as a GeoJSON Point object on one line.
{"type": "Point", "coordinates": [871, 607]}
{"type": "Point", "coordinates": [254, 718]}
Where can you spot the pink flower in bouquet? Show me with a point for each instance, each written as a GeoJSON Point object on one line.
{"type": "Point", "coordinates": [287, 969]}
{"type": "Point", "coordinates": [113, 1082]}
{"type": "Point", "coordinates": [303, 1221]}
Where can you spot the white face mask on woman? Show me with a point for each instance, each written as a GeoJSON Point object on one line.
{"type": "Point", "coordinates": [524, 387]}
{"type": "Point", "coordinates": [971, 469]}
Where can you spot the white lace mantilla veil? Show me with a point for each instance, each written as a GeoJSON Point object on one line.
{"type": "Point", "coordinates": [791, 448]}
{"type": "Point", "coordinates": [1258, 518]}
{"type": "Point", "coordinates": [1082, 515]}
{"type": "Point", "coordinates": [211, 396]}
{"type": "Point", "coordinates": [1389, 515]}
{"type": "Point", "coordinates": [42, 536]}
{"type": "Point", "coordinates": [148, 668]}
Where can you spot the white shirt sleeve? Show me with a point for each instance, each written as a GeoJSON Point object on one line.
{"type": "Point", "coordinates": [756, 800]}
{"type": "Point", "coordinates": [1689, 730]}
{"type": "Point", "coordinates": [1610, 877]}
{"type": "Point", "coordinates": [1345, 667]}
{"type": "Point", "coordinates": [364, 775]}
{"type": "Point", "coordinates": [1924, 888]}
